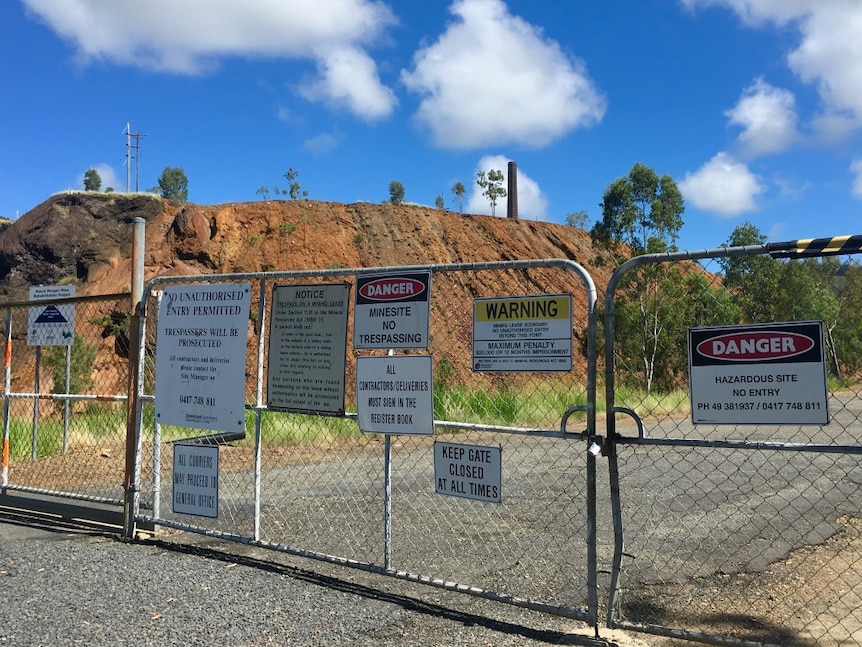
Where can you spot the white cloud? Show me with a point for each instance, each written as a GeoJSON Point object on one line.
{"type": "Point", "coordinates": [189, 37]}
{"type": "Point", "coordinates": [829, 56]}
{"type": "Point", "coordinates": [856, 169]}
{"type": "Point", "coordinates": [768, 117]}
{"type": "Point", "coordinates": [322, 143]}
{"type": "Point", "coordinates": [723, 186]}
{"type": "Point", "coordinates": [828, 52]}
{"type": "Point", "coordinates": [348, 77]}
{"type": "Point", "coordinates": [532, 203]}
{"type": "Point", "coordinates": [756, 12]}
{"type": "Point", "coordinates": [492, 78]}
{"type": "Point", "coordinates": [791, 188]}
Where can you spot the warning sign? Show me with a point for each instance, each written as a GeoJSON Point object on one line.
{"type": "Point", "coordinates": [523, 333]}
{"type": "Point", "coordinates": [758, 374]}
{"type": "Point", "coordinates": [392, 311]}
{"type": "Point", "coordinates": [54, 323]}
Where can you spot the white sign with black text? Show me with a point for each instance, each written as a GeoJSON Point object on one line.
{"type": "Point", "coordinates": [394, 394]}
{"type": "Point", "coordinates": [195, 482]}
{"type": "Point", "coordinates": [200, 358]}
{"type": "Point", "coordinates": [468, 471]}
{"type": "Point", "coordinates": [758, 374]}
{"type": "Point", "coordinates": [52, 324]}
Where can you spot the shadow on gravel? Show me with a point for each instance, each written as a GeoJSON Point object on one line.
{"type": "Point", "coordinates": [53, 524]}
{"type": "Point", "coordinates": [405, 602]}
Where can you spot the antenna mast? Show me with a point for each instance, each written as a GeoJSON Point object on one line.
{"type": "Point", "coordinates": [137, 156]}
{"type": "Point", "coordinates": [128, 134]}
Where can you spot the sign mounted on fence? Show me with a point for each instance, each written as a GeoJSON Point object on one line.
{"type": "Point", "coordinates": [392, 311]}
{"type": "Point", "coordinates": [53, 324]}
{"type": "Point", "coordinates": [307, 348]}
{"type": "Point", "coordinates": [200, 356]}
{"type": "Point", "coordinates": [195, 482]}
{"type": "Point", "coordinates": [523, 333]}
{"type": "Point", "coordinates": [468, 471]}
{"type": "Point", "coordinates": [758, 374]}
{"type": "Point", "coordinates": [394, 394]}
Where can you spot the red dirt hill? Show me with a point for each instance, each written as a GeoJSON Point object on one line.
{"type": "Point", "coordinates": [86, 239]}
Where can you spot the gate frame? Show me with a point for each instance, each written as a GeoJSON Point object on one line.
{"type": "Point", "coordinates": [132, 516]}
{"type": "Point", "coordinates": [794, 249]}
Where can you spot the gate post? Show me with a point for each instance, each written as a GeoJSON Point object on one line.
{"type": "Point", "coordinates": [135, 355]}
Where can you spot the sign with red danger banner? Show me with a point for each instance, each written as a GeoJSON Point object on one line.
{"type": "Point", "coordinates": [758, 374]}
{"type": "Point", "coordinates": [391, 310]}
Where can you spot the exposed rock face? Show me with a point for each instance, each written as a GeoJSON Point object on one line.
{"type": "Point", "coordinates": [86, 239]}
{"type": "Point", "coordinates": [70, 238]}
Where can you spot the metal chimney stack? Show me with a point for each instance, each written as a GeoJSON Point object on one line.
{"type": "Point", "coordinates": [512, 192]}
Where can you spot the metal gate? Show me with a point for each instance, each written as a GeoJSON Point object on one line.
{"type": "Point", "coordinates": [316, 486]}
{"type": "Point", "coordinates": [733, 533]}
{"type": "Point", "coordinates": [64, 406]}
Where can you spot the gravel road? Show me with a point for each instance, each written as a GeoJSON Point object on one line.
{"type": "Point", "coordinates": [69, 585]}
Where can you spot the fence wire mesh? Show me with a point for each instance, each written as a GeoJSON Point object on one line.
{"type": "Point", "coordinates": [317, 485]}
{"type": "Point", "coordinates": [65, 404]}
{"type": "Point", "coordinates": [736, 533]}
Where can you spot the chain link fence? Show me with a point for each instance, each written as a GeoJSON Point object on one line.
{"type": "Point", "coordinates": [66, 385]}
{"type": "Point", "coordinates": [318, 486]}
{"type": "Point", "coordinates": [722, 533]}
{"type": "Point", "coordinates": [733, 533]}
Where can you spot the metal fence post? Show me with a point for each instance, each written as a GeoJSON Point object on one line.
{"type": "Point", "coordinates": [136, 354]}
{"type": "Point", "coordinates": [4, 451]}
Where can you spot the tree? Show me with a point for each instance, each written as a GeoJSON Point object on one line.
{"type": "Point", "coordinates": [458, 190]}
{"type": "Point", "coordinates": [768, 289]}
{"type": "Point", "coordinates": [578, 219]}
{"type": "Point", "coordinates": [492, 186]}
{"type": "Point", "coordinates": [263, 192]}
{"type": "Point", "coordinates": [92, 180]}
{"type": "Point", "coordinates": [295, 191]}
{"type": "Point", "coordinates": [440, 202]}
{"type": "Point", "coordinates": [173, 184]}
{"type": "Point", "coordinates": [752, 279]}
{"type": "Point", "coordinates": [82, 356]}
{"type": "Point", "coordinates": [396, 192]}
{"type": "Point", "coordinates": [642, 211]}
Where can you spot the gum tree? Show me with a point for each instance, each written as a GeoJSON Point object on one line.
{"type": "Point", "coordinates": [641, 214]}
{"type": "Point", "coordinates": [492, 186]}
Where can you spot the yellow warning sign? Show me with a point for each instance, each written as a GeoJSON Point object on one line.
{"type": "Point", "coordinates": [522, 309]}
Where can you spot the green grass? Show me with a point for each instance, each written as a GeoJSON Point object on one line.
{"type": "Point", "coordinates": [88, 424]}
{"type": "Point", "coordinates": [536, 403]}
{"type": "Point", "coordinates": [648, 404]}
{"type": "Point", "coordinates": [539, 404]}
{"type": "Point", "coordinates": [48, 443]}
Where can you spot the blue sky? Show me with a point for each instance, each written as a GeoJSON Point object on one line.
{"type": "Point", "coordinates": [754, 107]}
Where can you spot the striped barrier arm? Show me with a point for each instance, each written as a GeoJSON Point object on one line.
{"type": "Point", "coordinates": [810, 247]}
